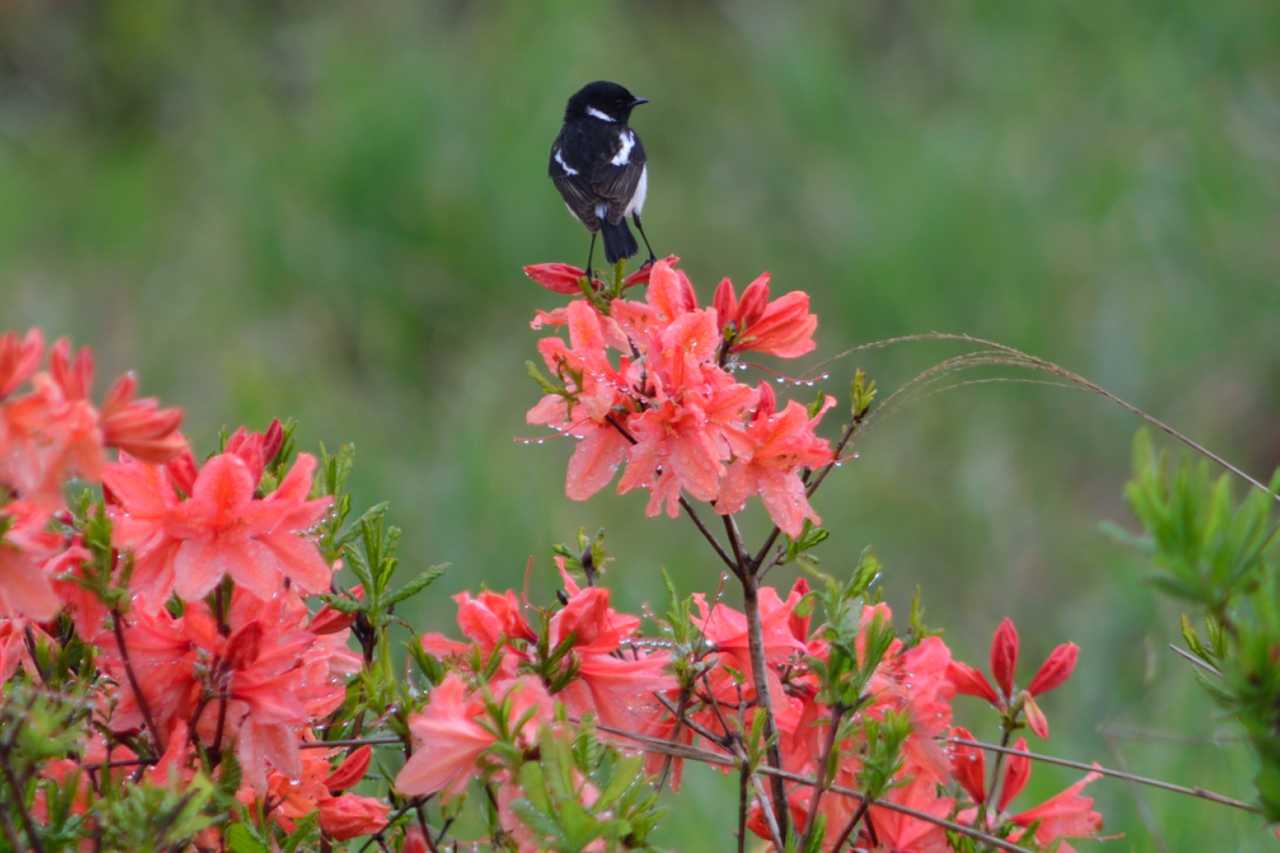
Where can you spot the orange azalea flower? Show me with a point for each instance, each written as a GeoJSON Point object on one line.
{"type": "Point", "coordinates": [783, 327]}
{"type": "Point", "coordinates": [223, 529]}
{"type": "Point", "coordinates": [447, 741]}
{"type": "Point", "coordinates": [779, 445]}
{"type": "Point", "coordinates": [618, 690]}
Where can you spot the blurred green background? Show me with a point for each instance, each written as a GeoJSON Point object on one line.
{"type": "Point", "coordinates": [321, 210]}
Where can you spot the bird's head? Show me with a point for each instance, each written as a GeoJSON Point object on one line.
{"type": "Point", "coordinates": [603, 101]}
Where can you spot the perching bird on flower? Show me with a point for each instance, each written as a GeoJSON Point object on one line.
{"type": "Point", "coordinates": [598, 164]}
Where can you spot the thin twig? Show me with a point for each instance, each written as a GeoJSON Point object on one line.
{"type": "Point", "coordinates": [995, 771]}
{"type": "Point", "coordinates": [770, 818]}
{"type": "Point", "coordinates": [837, 716]}
{"type": "Point", "coordinates": [1199, 793]}
{"type": "Point", "coordinates": [760, 675]}
{"type": "Point", "coordinates": [735, 543]}
{"type": "Point", "coordinates": [852, 824]}
{"type": "Point", "coordinates": [10, 833]}
{"type": "Point", "coordinates": [117, 624]}
{"type": "Point", "coordinates": [19, 799]}
{"type": "Point", "coordinates": [353, 741]}
{"type": "Point", "coordinates": [706, 534]}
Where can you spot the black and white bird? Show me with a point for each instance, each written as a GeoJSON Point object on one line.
{"type": "Point", "coordinates": [598, 164]}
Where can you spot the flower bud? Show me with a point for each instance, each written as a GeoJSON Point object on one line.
{"type": "Point", "coordinates": [414, 841]}
{"type": "Point", "coordinates": [1056, 669]}
{"type": "Point", "coordinates": [1035, 717]}
{"type": "Point", "coordinates": [351, 771]}
{"type": "Point", "coordinates": [348, 816]}
{"type": "Point", "coordinates": [556, 277]}
{"type": "Point", "coordinates": [1004, 655]}
{"type": "Point", "coordinates": [971, 682]}
{"type": "Point", "coordinates": [1017, 772]}
{"type": "Point", "coordinates": [969, 766]}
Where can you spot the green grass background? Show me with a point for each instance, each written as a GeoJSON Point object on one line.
{"type": "Point", "coordinates": [321, 209]}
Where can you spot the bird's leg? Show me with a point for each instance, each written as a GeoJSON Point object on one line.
{"type": "Point", "coordinates": [591, 279]}
{"type": "Point", "coordinates": [636, 218]}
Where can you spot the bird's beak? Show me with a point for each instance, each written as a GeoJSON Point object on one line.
{"type": "Point", "coordinates": [638, 101]}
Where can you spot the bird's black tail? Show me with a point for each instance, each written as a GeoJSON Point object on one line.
{"type": "Point", "coordinates": [618, 241]}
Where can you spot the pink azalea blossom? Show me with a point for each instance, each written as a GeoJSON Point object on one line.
{"type": "Point", "coordinates": [779, 445]}
{"type": "Point", "coordinates": [223, 529]}
{"type": "Point", "coordinates": [447, 742]}
{"type": "Point", "coordinates": [617, 689]}
{"type": "Point", "coordinates": [783, 327]}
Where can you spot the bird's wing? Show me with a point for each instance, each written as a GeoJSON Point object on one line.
{"type": "Point", "coordinates": [574, 185]}
{"type": "Point", "coordinates": [614, 178]}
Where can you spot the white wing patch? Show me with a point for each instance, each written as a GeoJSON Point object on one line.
{"type": "Point", "coordinates": [603, 116]}
{"type": "Point", "coordinates": [568, 170]}
{"type": "Point", "coordinates": [636, 205]}
{"type": "Point", "coordinates": [628, 140]}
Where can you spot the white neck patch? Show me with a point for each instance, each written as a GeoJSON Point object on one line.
{"type": "Point", "coordinates": [628, 140]}
{"type": "Point", "coordinates": [595, 113]}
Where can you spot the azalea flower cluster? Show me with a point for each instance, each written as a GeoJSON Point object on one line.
{"type": "Point", "coordinates": [668, 406]}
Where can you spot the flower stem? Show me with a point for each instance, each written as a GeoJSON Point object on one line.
{"type": "Point", "coordinates": [852, 824]}
{"type": "Point", "coordinates": [19, 799]}
{"type": "Point", "coordinates": [117, 625]}
{"type": "Point", "coordinates": [995, 772]}
{"type": "Point", "coordinates": [837, 717]}
{"type": "Point", "coordinates": [760, 675]}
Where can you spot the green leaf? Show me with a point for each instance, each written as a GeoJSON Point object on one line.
{"type": "Point", "coordinates": [343, 604]}
{"type": "Point", "coordinates": [626, 772]}
{"type": "Point", "coordinates": [241, 839]}
{"type": "Point", "coordinates": [427, 577]}
{"type": "Point", "coordinates": [540, 379]}
{"type": "Point", "coordinates": [539, 821]}
{"type": "Point", "coordinates": [862, 393]}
